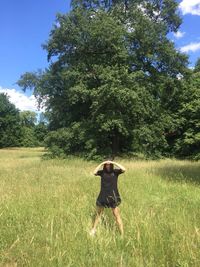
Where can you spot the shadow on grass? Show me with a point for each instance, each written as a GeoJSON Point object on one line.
{"type": "Point", "coordinates": [186, 173]}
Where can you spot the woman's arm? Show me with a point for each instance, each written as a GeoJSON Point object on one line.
{"type": "Point", "coordinates": [98, 167]}
{"type": "Point", "coordinates": [119, 166]}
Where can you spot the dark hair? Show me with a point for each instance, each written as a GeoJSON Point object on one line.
{"type": "Point", "coordinates": [111, 167]}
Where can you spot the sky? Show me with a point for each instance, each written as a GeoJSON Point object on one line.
{"type": "Point", "coordinates": [25, 25]}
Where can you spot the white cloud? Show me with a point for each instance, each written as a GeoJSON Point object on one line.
{"type": "Point", "coordinates": [192, 47]}
{"type": "Point", "coordinates": [20, 100]}
{"type": "Point", "coordinates": [190, 7]}
{"type": "Point", "coordinates": [179, 34]}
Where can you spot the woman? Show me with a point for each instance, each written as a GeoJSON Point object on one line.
{"type": "Point", "coordinates": [109, 196]}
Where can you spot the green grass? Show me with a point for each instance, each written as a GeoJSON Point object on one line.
{"type": "Point", "coordinates": [47, 206]}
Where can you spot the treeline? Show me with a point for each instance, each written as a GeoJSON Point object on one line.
{"type": "Point", "coordinates": [20, 128]}
{"type": "Point", "coordinates": [116, 84]}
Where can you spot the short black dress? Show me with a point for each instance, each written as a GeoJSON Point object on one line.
{"type": "Point", "coordinates": [109, 196]}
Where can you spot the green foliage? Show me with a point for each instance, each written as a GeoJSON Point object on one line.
{"type": "Point", "coordinates": [10, 131]}
{"type": "Point", "coordinates": [113, 75]}
{"type": "Point", "coordinates": [28, 118]}
{"type": "Point", "coordinates": [33, 133]}
{"type": "Point", "coordinates": [27, 122]}
{"type": "Point", "coordinates": [65, 140]}
{"type": "Point", "coordinates": [40, 132]}
{"type": "Point", "coordinates": [19, 128]}
{"type": "Point", "coordinates": [197, 66]}
{"type": "Point", "coordinates": [28, 138]}
{"type": "Point", "coordinates": [187, 142]}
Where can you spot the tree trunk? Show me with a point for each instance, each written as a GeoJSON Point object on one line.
{"type": "Point", "coordinates": [115, 145]}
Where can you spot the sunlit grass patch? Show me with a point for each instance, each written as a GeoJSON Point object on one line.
{"type": "Point", "coordinates": [46, 209]}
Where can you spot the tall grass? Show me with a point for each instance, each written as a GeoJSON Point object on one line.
{"type": "Point", "coordinates": [47, 206]}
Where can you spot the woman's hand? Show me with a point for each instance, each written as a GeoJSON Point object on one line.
{"type": "Point", "coordinates": [119, 166]}
{"type": "Point", "coordinates": [107, 162]}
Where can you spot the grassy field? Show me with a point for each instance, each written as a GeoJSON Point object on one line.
{"type": "Point", "coordinates": [47, 206]}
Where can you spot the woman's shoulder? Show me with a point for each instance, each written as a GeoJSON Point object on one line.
{"type": "Point", "coordinates": [99, 173]}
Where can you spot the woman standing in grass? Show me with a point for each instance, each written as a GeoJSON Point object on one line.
{"type": "Point", "coordinates": [109, 196]}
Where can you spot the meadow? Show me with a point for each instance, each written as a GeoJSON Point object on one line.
{"type": "Point", "coordinates": [47, 208]}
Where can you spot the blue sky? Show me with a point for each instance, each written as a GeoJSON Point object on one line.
{"type": "Point", "coordinates": [25, 26]}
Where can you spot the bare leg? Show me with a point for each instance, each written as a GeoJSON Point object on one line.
{"type": "Point", "coordinates": [117, 216]}
{"type": "Point", "coordinates": [99, 211]}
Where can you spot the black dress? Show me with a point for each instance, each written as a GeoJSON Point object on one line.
{"type": "Point", "coordinates": [109, 195]}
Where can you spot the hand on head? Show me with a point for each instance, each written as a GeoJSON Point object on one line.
{"type": "Point", "coordinates": [107, 162]}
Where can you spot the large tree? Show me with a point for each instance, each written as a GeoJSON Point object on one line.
{"type": "Point", "coordinates": [112, 70]}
